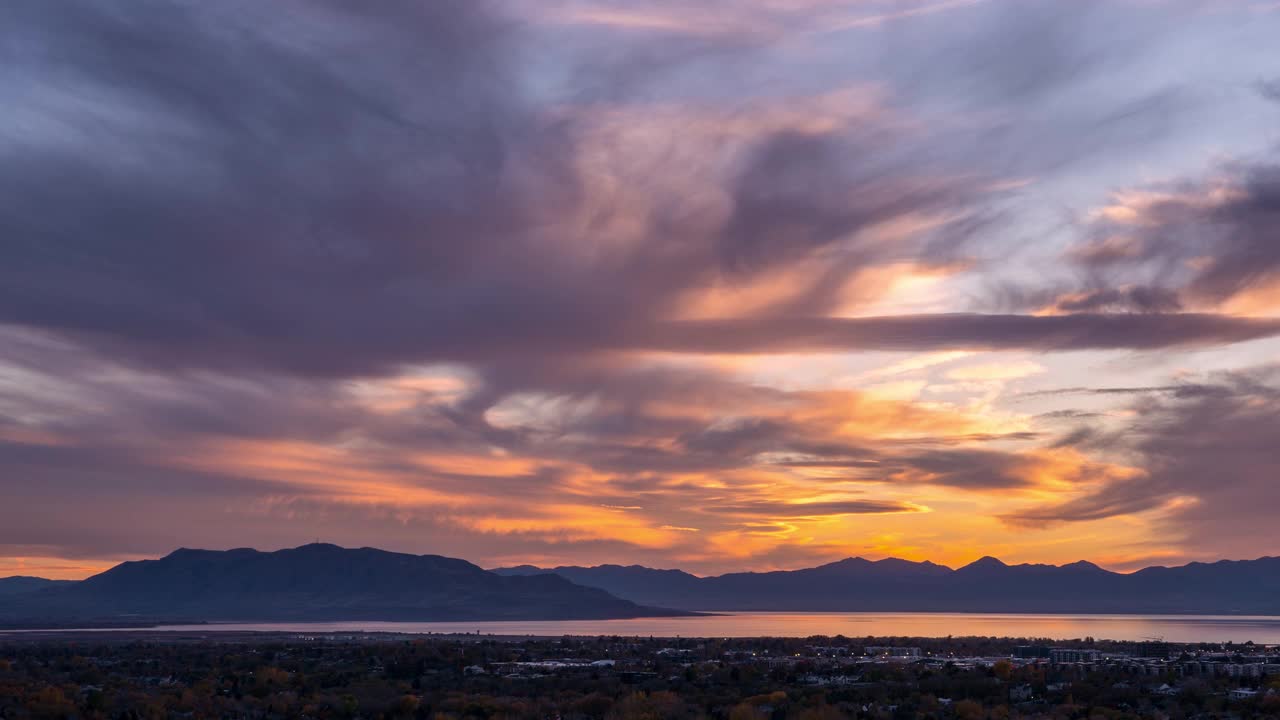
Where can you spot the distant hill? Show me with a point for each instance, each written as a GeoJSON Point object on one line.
{"type": "Point", "coordinates": [325, 582]}
{"type": "Point", "coordinates": [630, 581]}
{"type": "Point", "coordinates": [312, 583]}
{"type": "Point", "coordinates": [987, 585]}
{"type": "Point", "coordinates": [24, 584]}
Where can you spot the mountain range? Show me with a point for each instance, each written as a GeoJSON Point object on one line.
{"type": "Point", "coordinates": [24, 584]}
{"type": "Point", "coordinates": [316, 582]}
{"type": "Point", "coordinates": [1250, 587]}
{"type": "Point", "coordinates": [323, 582]}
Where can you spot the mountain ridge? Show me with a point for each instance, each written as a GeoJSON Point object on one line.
{"type": "Point", "coordinates": [891, 559]}
{"type": "Point", "coordinates": [984, 585]}
{"type": "Point", "coordinates": [327, 582]}
{"type": "Point", "coordinates": [315, 582]}
{"type": "Point", "coordinates": [18, 584]}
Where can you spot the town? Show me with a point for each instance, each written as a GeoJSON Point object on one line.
{"type": "Point", "coordinates": [380, 675]}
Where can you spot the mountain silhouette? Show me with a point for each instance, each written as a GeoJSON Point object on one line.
{"type": "Point", "coordinates": [986, 585]}
{"type": "Point", "coordinates": [24, 584]}
{"type": "Point", "coordinates": [312, 583]}
{"type": "Point", "coordinates": [325, 582]}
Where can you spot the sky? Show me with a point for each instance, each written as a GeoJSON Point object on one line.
{"type": "Point", "coordinates": [727, 285]}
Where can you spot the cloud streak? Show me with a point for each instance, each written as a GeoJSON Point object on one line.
{"type": "Point", "coordinates": [1205, 457]}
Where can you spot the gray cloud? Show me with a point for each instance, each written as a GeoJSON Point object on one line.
{"type": "Point", "coordinates": [1213, 451]}
{"type": "Point", "coordinates": [241, 192]}
{"type": "Point", "coordinates": [1191, 243]}
{"type": "Point", "coordinates": [216, 216]}
{"type": "Point", "coordinates": [1140, 299]}
{"type": "Point", "coordinates": [1269, 89]}
{"type": "Point", "coordinates": [960, 331]}
{"type": "Point", "coordinates": [226, 187]}
{"type": "Point", "coordinates": [1185, 389]}
{"type": "Point", "coordinates": [968, 468]}
{"type": "Point", "coordinates": [785, 511]}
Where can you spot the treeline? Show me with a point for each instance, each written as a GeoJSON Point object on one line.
{"type": "Point", "coordinates": [649, 679]}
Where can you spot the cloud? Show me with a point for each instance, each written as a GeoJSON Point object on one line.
{"type": "Point", "coordinates": [997, 371]}
{"type": "Point", "coordinates": [457, 277]}
{"type": "Point", "coordinates": [758, 21]}
{"type": "Point", "coordinates": [1205, 245]}
{"type": "Point", "coordinates": [1182, 388]}
{"type": "Point", "coordinates": [267, 201]}
{"type": "Point", "coordinates": [814, 509]}
{"type": "Point", "coordinates": [1206, 458]}
{"type": "Point", "coordinates": [1130, 299]}
{"type": "Point", "coordinates": [1269, 89]}
{"type": "Point", "coordinates": [956, 331]}
{"type": "Point", "coordinates": [971, 468]}
{"type": "Point", "coordinates": [274, 458]}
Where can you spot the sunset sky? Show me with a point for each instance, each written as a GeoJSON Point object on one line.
{"type": "Point", "coordinates": [718, 285]}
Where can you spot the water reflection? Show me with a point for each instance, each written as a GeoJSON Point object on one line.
{"type": "Point", "coordinates": [1174, 628]}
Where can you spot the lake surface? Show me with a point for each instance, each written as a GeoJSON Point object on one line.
{"type": "Point", "coordinates": [1173, 628]}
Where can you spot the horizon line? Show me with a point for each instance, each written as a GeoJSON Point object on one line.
{"type": "Point", "coordinates": [648, 567]}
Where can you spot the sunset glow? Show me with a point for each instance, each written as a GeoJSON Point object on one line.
{"type": "Point", "coordinates": [723, 286]}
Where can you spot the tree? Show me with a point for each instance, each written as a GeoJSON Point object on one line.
{"type": "Point", "coordinates": [50, 702]}
{"type": "Point", "coordinates": [406, 706]}
{"type": "Point", "coordinates": [653, 706]}
{"type": "Point", "coordinates": [350, 706]}
{"type": "Point", "coordinates": [968, 710]}
{"type": "Point", "coordinates": [821, 712]}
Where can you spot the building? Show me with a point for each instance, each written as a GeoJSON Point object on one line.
{"type": "Point", "coordinates": [1246, 670]}
{"type": "Point", "coordinates": [1153, 649]}
{"type": "Point", "coordinates": [1225, 669]}
{"type": "Point", "coordinates": [896, 652]}
{"type": "Point", "coordinates": [1031, 651]}
{"type": "Point", "coordinates": [1020, 693]}
{"type": "Point", "coordinates": [1072, 655]}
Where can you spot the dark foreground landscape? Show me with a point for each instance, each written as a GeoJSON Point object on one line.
{"type": "Point", "coordinates": [138, 671]}
{"type": "Point", "coordinates": [226, 675]}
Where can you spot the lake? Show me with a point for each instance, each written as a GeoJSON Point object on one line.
{"type": "Point", "coordinates": [1173, 628]}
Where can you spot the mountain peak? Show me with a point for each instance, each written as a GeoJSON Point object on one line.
{"type": "Point", "coordinates": [986, 562]}
{"type": "Point", "coordinates": [18, 584]}
{"type": "Point", "coordinates": [184, 552]}
{"type": "Point", "coordinates": [900, 561]}
{"type": "Point", "coordinates": [848, 562]}
{"type": "Point", "coordinates": [321, 547]}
